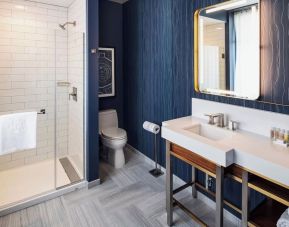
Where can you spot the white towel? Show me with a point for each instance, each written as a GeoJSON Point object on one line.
{"type": "Point", "coordinates": [284, 219]}
{"type": "Point", "coordinates": [17, 132]}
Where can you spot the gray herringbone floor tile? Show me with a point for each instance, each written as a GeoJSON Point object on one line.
{"type": "Point", "coordinates": [129, 197]}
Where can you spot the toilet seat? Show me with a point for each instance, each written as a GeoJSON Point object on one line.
{"type": "Point", "coordinates": [114, 133]}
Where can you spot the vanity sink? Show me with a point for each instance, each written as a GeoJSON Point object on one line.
{"type": "Point", "coordinates": [208, 141]}
{"type": "Point", "coordinates": [210, 132]}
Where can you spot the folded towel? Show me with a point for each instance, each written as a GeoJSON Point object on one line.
{"type": "Point", "coordinates": [284, 219]}
{"type": "Point", "coordinates": [17, 132]}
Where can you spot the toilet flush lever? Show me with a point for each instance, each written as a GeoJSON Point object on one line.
{"type": "Point", "coordinates": [73, 94]}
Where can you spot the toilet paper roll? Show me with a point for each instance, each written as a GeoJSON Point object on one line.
{"type": "Point", "coordinates": [151, 127]}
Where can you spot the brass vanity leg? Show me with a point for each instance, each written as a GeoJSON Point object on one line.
{"type": "Point", "coordinates": [169, 185]}
{"type": "Point", "coordinates": [245, 199]}
{"type": "Point", "coordinates": [194, 188]}
{"type": "Point", "coordinates": [219, 195]}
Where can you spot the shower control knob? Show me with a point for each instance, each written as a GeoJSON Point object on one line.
{"type": "Point", "coordinates": [73, 94]}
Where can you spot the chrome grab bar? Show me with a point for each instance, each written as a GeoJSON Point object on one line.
{"type": "Point", "coordinates": [63, 84]}
{"type": "Point", "coordinates": [42, 111]}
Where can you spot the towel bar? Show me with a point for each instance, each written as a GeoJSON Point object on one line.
{"type": "Point", "coordinates": [42, 111]}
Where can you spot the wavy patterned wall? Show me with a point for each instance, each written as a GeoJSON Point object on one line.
{"type": "Point", "coordinates": [275, 51]}
{"type": "Point", "coordinates": [92, 92]}
{"type": "Point", "coordinates": [154, 90]}
{"type": "Point", "coordinates": [110, 16]}
{"type": "Point", "coordinates": [158, 69]}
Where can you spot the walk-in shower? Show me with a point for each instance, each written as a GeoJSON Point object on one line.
{"type": "Point", "coordinates": [41, 65]}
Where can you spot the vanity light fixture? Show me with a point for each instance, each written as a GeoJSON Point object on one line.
{"type": "Point", "coordinates": [226, 6]}
{"type": "Point", "coordinates": [222, 92]}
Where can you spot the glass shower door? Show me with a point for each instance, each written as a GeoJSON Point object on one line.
{"type": "Point", "coordinates": [69, 113]}
{"type": "Point", "coordinates": [47, 78]}
{"type": "Point", "coordinates": [29, 77]}
{"type": "Point", "coordinates": [42, 72]}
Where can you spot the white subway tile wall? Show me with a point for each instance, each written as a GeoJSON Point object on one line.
{"type": "Point", "coordinates": [33, 56]}
{"type": "Point", "coordinates": [76, 12]}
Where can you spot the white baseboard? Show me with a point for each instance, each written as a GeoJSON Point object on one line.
{"type": "Point", "coordinates": [229, 216]}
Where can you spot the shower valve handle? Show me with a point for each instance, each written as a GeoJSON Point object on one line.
{"type": "Point", "coordinates": [73, 94]}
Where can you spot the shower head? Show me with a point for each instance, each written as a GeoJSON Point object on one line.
{"type": "Point", "coordinates": [62, 26]}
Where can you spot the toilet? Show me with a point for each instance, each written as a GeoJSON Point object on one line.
{"type": "Point", "coordinates": [112, 137]}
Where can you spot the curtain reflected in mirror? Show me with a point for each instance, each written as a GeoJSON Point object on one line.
{"type": "Point", "coordinates": [228, 50]}
{"type": "Point", "coordinates": [246, 48]}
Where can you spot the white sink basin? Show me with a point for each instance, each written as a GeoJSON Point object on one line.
{"type": "Point", "coordinates": [206, 140]}
{"type": "Point", "coordinates": [210, 132]}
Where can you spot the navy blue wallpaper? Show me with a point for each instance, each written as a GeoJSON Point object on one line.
{"type": "Point", "coordinates": [154, 90]}
{"type": "Point", "coordinates": [110, 35]}
{"type": "Point", "coordinates": [92, 93]}
{"type": "Point", "coordinates": [158, 70]}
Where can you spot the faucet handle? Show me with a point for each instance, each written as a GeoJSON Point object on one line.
{"type": "Point", "coordinates": [221, 119]}
{"type": "Point", "coordinates": [211, 118]}
{"type": "Point", "coordinates": [233, 125]}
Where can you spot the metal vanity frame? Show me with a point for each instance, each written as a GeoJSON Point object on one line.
{"type": "Point", "coordinates": [266, 214]}
{"type": "Point", "coordinates": [171, 201]}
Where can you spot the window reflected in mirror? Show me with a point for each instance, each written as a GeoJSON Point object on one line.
{"type": "Point", "coordinates": [227, 49]}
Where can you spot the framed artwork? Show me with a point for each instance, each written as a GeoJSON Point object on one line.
{"type": "Point", "coordinates": [106, 72]}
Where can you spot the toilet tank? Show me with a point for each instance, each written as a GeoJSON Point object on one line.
{"type": "Point", "coordinates": [107, 119]}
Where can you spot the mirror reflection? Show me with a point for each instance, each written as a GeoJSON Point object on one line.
{"type": "Point", "coordinates": [228, 49]}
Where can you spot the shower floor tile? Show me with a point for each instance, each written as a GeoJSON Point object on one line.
{"type": "Point", "coordinates": [27, 181]}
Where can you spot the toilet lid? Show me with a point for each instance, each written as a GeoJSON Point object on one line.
{"type": "Point", "coordinates": [114, 133]}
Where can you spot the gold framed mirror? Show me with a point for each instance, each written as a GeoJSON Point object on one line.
{"type": "Point", "coordinates": [227, 49]}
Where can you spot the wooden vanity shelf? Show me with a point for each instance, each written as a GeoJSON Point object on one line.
{"type": "Point", "coordinates": [269, 189]}
{"type": "Point", "coordinates": [265, 187]}
{"type": "Point", "coordinates": [234, 172]}
{"type": "Point", "coordinates": [205, 166]}
{"type": "Point", "coordinates": [265, 215]}
{"type": "Point", "coordinates": [193, 159]}
{"type": "Point", "coordinates": [268, 213]}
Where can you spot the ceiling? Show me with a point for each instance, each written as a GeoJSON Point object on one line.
{"type": "Point", "coordinates": [64, 3]}
{"type": "Point", "coordinates": [119, 1]}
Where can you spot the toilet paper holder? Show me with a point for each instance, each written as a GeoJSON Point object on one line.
{"type": "Point", "coordinates": [155, 129]}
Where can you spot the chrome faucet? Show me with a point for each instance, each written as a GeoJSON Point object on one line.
{"type": "Point", "coordinates": [211, 118]}
{"type": "Point", "coordinates": [220, 121]}
{"type": "Point", "coordinates": [233, 125]}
